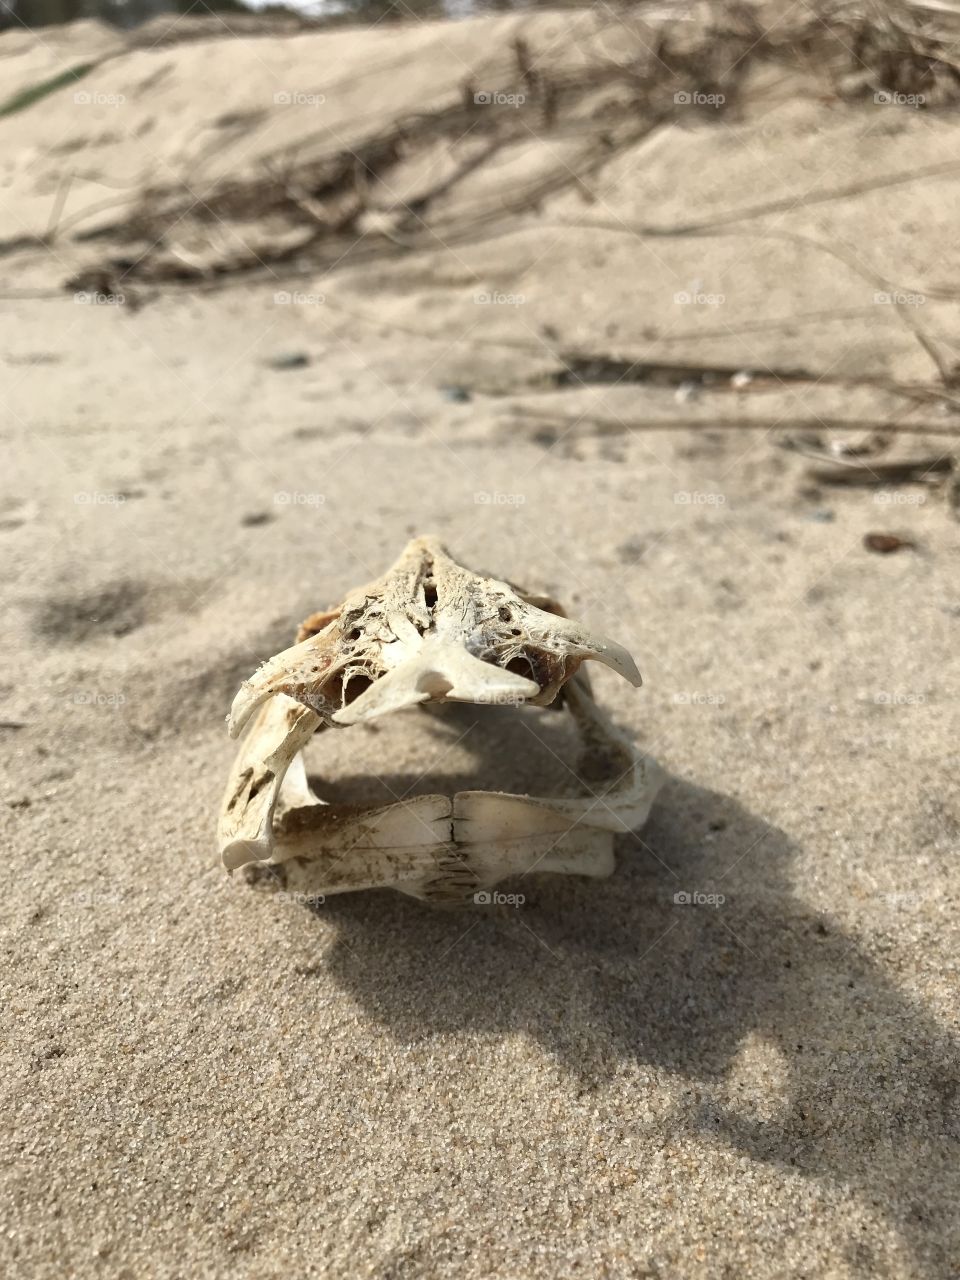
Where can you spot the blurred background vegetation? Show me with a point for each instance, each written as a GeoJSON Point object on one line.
{"type": "Point", "coordinates": [131, 13]}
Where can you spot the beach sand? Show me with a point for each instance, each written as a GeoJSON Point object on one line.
{"type": "Point", "coordinates": [206, 1078]}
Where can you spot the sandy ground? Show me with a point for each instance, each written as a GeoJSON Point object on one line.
{"type": "Point", "coordinates": [204, 1078]}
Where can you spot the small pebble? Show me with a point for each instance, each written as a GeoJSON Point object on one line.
{"type": "Point", "coordinates": [456, 395]}
{"type": "Point", "coordinates": [545, 436]}
{"type": "Point", "coordinates": [632, 550]}
{"type": "Point", "coordinates": [289, 360]}
{"type": "Point", "coordinates": [886, 542]}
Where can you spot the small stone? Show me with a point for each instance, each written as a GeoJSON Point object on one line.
{"type": "Point", "coordinates": [885, 543]}
{"type": "Point", "coordinates": [631, 551]}
{"type": "Point", "coordinates": [289, 360]}
{"type": "Point", "coordinates": [545, 436]}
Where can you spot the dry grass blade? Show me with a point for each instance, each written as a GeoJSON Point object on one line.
{"type": "Point", "coordinates": [870, 475]}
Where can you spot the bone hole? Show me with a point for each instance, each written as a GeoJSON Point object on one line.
{"type": "Point", "coordinates": [430, 593]}
{"type": "Point", "coordinates": [354, 687]}
{"type": "Point", "coordinates": [504, 614]}
{"type": "Point", "coordinates": [522, 666]}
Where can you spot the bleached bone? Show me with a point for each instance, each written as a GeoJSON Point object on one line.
{"type": "Point", "coordinates": [428, 631]}
{"type": "Point", "coordinates": [259, 770]}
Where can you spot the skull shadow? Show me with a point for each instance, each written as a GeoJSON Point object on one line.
{"type": "Point", "coordinates": [695, 943]}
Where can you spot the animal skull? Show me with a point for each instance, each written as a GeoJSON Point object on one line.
{"type": "Point", "coordinates": [429, 630]}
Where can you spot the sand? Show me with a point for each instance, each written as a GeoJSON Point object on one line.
{"type": "Point", "coordinates": [205, 1078]}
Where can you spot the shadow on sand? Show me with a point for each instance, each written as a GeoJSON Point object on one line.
{"type": "Point", "coordinates": [601, 971]}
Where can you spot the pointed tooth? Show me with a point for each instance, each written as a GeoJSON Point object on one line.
{"type": "Point", "coordinates": [616, 657]}
{"type": "Point", "coordinates": [592, 645]}
{"type": "Point", "coordinates": [243, 706]}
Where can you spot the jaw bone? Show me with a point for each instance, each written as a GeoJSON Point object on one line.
{"type": "Point", "coordinates": [429, 630]}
